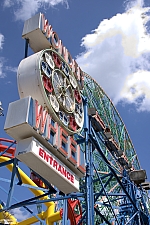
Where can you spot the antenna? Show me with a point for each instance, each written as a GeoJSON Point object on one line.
{"type": "Point", "coordinates": [1, 109]}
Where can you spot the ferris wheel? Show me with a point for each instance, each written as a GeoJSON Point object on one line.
{"type": "Point", "coordinates": [117, 156]}
{"type": "Point", "coordinates": [72, 160]}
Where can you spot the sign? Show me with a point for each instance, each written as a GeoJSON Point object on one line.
{"type": "Point", "coordinates": [44, 124]}
{"type": "Point", "coordinates": [25, 118]}
{"type": "Point", "coordinates": [40, 35]}
{"type": "Point", "coordinates": [43, 162]}
{"type": "Point", "coordinates": [47, 78]}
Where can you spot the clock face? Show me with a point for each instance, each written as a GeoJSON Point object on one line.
{"type": "Point", "coordinates": [54, 86]}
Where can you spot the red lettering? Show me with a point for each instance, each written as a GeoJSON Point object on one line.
{"type": "Point", "coordinates": [55, 40]}
{"type": "Point", "coordinates": [68, 175]}
{"type": "Point", "coordinates": [51, 160]}
{"type": "Point", "coordinates": [64, 172]}
{"type": "Point", "coordinates": [46, 28]}
{"type": "Point", "coordinates": [59, 168]}
{"type": "Point", "coordinates": [72, 179]}
{"type": "Point", "coordinates": [41, 152]}
{"type": "Point", "coordinates": [55, 164]}
{"type": "Point", "coordinates": [69, 59]}
{"type": "Point", "coordinates": [60, 47]}
{"type": "Point", "coordinates": [64, 143]}
{"type": "Point", "coordinates": [74, 68]}
{"type": "Point", "coordinates": [48, 128]}
{"type": "Point", "coordinates": [49, 31]}
{"type": "Point", "coordinates": [57, 44]}
{"type": "Point", "coordinates": [40, 117]}
{"type": "Point", "coordinates": [46, 157]}
{"type": "Point", "coordinates": [44, 24]}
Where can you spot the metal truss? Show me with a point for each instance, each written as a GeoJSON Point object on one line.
{"type": "Point", "coordinates": [98, 99]}
{"type": "Point", "coordinates": [107, 194]}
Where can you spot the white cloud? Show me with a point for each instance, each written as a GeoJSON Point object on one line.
{"type": "Point", "coordinates": [120, 46]}
{"type": "Point", "coordinates": [8, 3]}
{"type": "Point", "coordinates": [4, 68]}
{"type": "Point", "coordinates": [11, 69]}
{"type": "Point", "coordinates": [1, 41]}
{"type": "Point", "coordinates": [19, 214]}
{"type": "Point", "coordinates": [27, 8]}
{"type": "Point", "coordinates": [2, 75]}
{"type": "Point", "coordinates": [137, 90]}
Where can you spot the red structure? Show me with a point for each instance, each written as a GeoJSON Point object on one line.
{"type": "Point", "coordinates": [10, 153]}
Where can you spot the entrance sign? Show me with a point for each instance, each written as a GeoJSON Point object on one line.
{"type": "Point", "coordinates": [47, 78]}
{"type": "Point", "coordinates": [36, 157]}
{"type": "Point", "coordinates": [24, 120]}
{"type": "Point", "coordinates": [40, 35]}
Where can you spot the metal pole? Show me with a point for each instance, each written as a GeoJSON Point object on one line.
{"type": "Point", "coordinates": [91, 148]}
{"type": "Point", "coordinates": [87, 162]}
{"type": "Point", "coordinates": [26, 48]}
{"type": "Point", "coordinates": [65, 212]}
{"type": "Point", "coordinates": [12, 183]}
{"type": "Point", "coordinates": [89, 172]}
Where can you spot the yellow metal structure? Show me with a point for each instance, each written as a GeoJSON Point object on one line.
{"type": "Point", "coordinates": [6, 216]}
{"type": "Point", "coordinates": [50, 216]}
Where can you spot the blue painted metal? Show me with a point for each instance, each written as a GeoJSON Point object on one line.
{"type": "Point", "coordinates": [26, 48]}
{"type": "Point", "coordinates": [129, 201]}
{"type": "Point", "coordinates": [6, 163]}
{"type": "Point", "coordinates": [24, 185]}
{"type": "Point", "coordinates": [18, 175]}
{"type": "Point", "coordinates": [129, 206]}
{"type": "Point", "coordinates": [25, 207]}
{"type": "Point", "coordinates": [12, 183]}
{"type": "Point", "coordinates": [65, 212]}
{"type": "Point", "coordinates": [89, 168]}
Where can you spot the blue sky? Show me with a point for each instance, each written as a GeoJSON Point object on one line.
{"type": "Point", "coordinates": [109, 39]}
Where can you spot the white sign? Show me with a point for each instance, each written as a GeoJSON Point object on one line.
{"type": "Point", "coordinates": [40, 35]}
{"type": "Point", "coordinates": [43, 162]}
{"type": "Point", "coordinates": [24, 120]}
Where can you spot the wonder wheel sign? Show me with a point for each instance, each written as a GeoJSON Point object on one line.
{"type": "Point", "coordinates": [50, 109]}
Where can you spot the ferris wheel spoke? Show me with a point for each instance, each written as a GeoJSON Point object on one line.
{"type": "Point", "coordinates": [69, 99]}
{"type": "Point", "coordinates": [60, 94]}
{"type": "Point", "coordinates": [64, 83]}
{"type": "Point", "coordinates": [61, 79]}
{"type": "Point", "coordinates": [70, 103]}
{"type": "Point", "coordinates": [68, 93]}
{"type": "Point", "coordinates": [58, 79]}
{"type": "Point", "coordinates": [64, 102]}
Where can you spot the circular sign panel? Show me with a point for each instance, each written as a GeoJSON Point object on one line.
{"type": "Point", "coordinates": [46, 77]}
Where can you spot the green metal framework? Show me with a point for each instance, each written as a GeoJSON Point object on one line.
{"type": "Point", "coordinates": [98, 99]}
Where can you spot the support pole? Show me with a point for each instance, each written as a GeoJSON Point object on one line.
{"type": "Point", "coordinates": [89, 170]}
{"type": "Point", "coordinates": [91, 148]}
{"type": "Point", "coordinates": [26, 48]}
{"type": "Point", "coordinates": [65, 212]}
{"type": "Point", "coordinates": [12, 183]}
